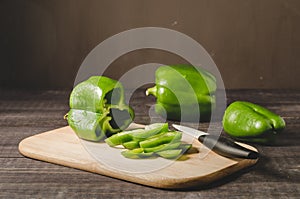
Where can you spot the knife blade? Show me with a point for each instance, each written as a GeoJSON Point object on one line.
{"type": "Point", "coordinates": [219, 144]}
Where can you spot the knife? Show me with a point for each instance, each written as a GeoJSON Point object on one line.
{"type": "Point", "coordinates": [219, 144]}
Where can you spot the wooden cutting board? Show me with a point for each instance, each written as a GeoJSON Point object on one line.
{"type": "Point", "coordinates": [199, 167]}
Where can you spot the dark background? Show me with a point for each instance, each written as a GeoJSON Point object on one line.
{"type": "Point", "coordinates": [255, 43]}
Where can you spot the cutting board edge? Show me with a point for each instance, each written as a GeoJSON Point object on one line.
{"type": "Point", "coordinates": [166, 183]}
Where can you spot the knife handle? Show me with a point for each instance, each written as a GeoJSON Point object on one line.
{"type": "Point", "coordinates": [227, 147]}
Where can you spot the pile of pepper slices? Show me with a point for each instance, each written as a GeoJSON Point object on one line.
{"type": "Point", "coordinates": [153, 141]}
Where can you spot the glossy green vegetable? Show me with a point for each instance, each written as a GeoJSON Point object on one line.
{"type": "Point", "coordinates": [150, 130]}
{"type": "Point", "coordinates": [183, 92]}
{"type": "Point", "coordinates": [121, 138]}
{"type": "Point", "coordinates": [136, 154]}
{"type": "Point", "coordinates": [133, 154]}
{"type": "Point", "coordinates": [185, 147]}
{"type": "Point", "coordinates": [250, 122]}
{"type": "Point", "coordinates": [98, 109]}
{"type": "Point", "coordinates": [163, 147]}
{"type": "Point", "coordinates": [161, 138]}
{"type": "Point", "coordinates": [137, 134]}
{"type": "Point", "coordinates": [148, 142]}
{"type": "Point", "coordinates": [170, 154]}
{"type": "Point", "coordinates": [131, 144]}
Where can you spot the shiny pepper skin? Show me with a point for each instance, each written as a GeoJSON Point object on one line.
{"type": "Point", "coordinates": [184, 93]}
{"type": "Point", "coordinates": [250, 122]}
{"type": "Point", "coordinates": [98, 109]}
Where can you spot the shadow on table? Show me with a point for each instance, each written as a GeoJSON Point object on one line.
{"type": "Point", "coordinates": [261, 169]}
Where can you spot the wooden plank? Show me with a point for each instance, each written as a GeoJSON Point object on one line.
{"type": "Point", "coordinates": [62, 146]}
{"type": "Point", "coordinates": [26, 177]}
{"type": "Point", "coordinates": [279, 169]}
{"type": "Point", "coordinates": [108, 189]}
{"type": "Point", "coordinates": [276, 175]}
{"type": "Point", "coordinates": [52, 181]}
{"type": "Point", "coordinates": [12, 135]}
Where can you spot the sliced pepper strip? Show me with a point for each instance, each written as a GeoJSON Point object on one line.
{"type": "Point", "coordinates": [121, 138]}
{"type": "Point", "coordinates": [162, 138]}
{"type": "Point", "coordinates": [163, 147]}
{"type": "Point", "coordinates": [131, 144]}
{"type": "Point", "coordinates": [136, 154]}
{"type": "Point", "coordinates": [170, 154]}
{"type": "Point", "coordinates": [150, 130]}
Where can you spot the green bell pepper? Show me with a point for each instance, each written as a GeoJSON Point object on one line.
{"type": "Point", "coordinates": [184, 92]}
{"type": "Point", "coordinates": [98, 108]}
{"type": "Point", "coordinates": [246, 121]}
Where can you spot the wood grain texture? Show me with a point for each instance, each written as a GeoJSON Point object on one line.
{"type": "Point", "coordinates": [62, 146]}
{"type": "Point", "coordinates": [26, 113]}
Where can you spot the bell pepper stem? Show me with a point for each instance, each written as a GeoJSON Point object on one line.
{"type": "Point", "coordinates": [151, 91]}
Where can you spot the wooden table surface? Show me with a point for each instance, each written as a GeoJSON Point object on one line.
{"type": "Point", "coordinates": [26, 113]}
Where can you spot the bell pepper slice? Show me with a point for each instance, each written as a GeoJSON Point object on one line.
{"type": "Point", "coordinates": [161, 138]}
{"type": "Point", "coordinates": [131, 144]}
{"type": "Point", "coordinates": [170, 154]}
{"type": "Point", "coordinates": [137, 134]}
{"type": "Point", "coordinates": [150, 130]}
{"type": "Point", "coordinates": [163, 147]}
{"type": "Point", "coordinates": [185, 147]}
{"type": "Point", "coordinates": [136, 154]}
{"type": "Point", "coordinates": [122, 137]}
